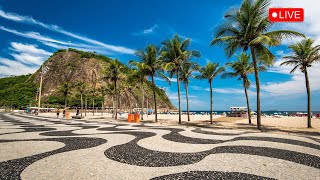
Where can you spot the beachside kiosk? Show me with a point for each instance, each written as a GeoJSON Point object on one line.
{"type": "Point", "coordinates": [238, 111]}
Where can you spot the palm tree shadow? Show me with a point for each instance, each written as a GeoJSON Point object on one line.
{"type": "Point", "coordinates": [275, 129]}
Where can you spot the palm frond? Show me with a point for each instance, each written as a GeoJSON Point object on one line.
{"type": "Point", "coordinates": [290, 62]}
{"type": "Point", "coordinates": [294, 69]}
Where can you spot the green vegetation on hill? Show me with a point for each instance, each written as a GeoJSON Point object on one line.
{"type": "Point", "coordinates": [83, 54]}
{"type": "Point", "coordinates": [16, 92]}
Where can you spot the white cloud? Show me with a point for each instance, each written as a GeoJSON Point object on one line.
{"type": "Point", "coordinates": [33, 35]}
{"type": "Point", "coordinates": [150, 30]}
{"type": "Point", "coordinates": [194, 101]}
{"type": "Point", "coordinates": [227, 90]}
{"type": "Point", "coordinates": [28, 54]}
{"type": "Point", "coordinates": [224, 90]}
{"type": "Point", "coordinates": [310, 27]}
{"type": "Point", "coordinates": [32, 49]}
{"type": "Point", "coordinates": [30, 20]}
{"type": "Point", "coordinates": [296, 85]}
{"type": "Point", "coordinates": [192, 39]}
{"type": "Point", "coordinates": [11, 16]}
{"type": "Point", "coordinates": [79, 47]}
{"type": "Point", "coordinates": [27, 58]}
{"type": "Point", "coordinates": [9, 67]}
{"type": "Point", "coordinates": [160, 79]}
{"type": "Point", "coordinates": [58, 44]}
{"type": "Point", "coordinates": [311, 24]}
{"type": "Point", "coordinates": [146, 31]}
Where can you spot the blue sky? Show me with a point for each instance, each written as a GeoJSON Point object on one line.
{"type": "Point", "coordinates": [31, 30]}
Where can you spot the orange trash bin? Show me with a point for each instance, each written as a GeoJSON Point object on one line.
{"type": "Point", "coordinates": [67, 115]}
{"type": "Point", "coordinates": [130, 117]}
{"type": "Point", "coordinates": [137, 118]}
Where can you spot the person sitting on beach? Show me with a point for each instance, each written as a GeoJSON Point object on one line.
{"type": "Point", "coordinates": [58, 112]}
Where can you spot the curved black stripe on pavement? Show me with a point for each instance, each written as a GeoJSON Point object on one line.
{"type": "Point", "coordinates": [12, 169]}
{"type": "Point", "coordinates": [217, 175]}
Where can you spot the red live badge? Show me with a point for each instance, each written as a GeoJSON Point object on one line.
{"type": "Point", "coordinates": [286, 14]}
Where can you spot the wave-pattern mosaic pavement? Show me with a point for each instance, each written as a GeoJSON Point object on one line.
{"type": "Point", "coordinates": [100, 149]}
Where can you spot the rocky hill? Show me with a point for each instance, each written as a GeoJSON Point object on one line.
{"type": "Point", "coordinates": [73, 66]}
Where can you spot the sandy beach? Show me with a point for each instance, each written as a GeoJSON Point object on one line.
{"type": "Point", "coordinates": [283, 124]}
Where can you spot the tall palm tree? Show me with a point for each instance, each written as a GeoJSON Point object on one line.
{"type": "Point", "coordinates": [241, 68]}
{"type": "Point", "coordinates": [247, 28]}
{"type": "Point", "coordinates": [150, 58]}
{"type": "Point", "coordinates": [82, 87]}
{"type": "Point", "coordinates": [304, 54]}
{"type": "Point", "coordinates": [175, 51]}
{"type": "Point", "coordinates": [113, 72]}
{"type": "Point", "coordinates": [139, 74]}
{"type": "Point", "coordinates": [65, 88]}
{"type": "Point", "coordinates": [209, 72]}
{"type": "Point", "coordinates": [186, 73]}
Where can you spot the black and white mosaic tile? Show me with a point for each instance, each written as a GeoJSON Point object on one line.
{"type": "Point", "coordinates": [132, 153]}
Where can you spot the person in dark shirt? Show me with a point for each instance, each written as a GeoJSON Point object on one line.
{"type": "Point", "coordinates": [58, 112]}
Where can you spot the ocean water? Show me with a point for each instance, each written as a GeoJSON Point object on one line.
{"type": "Point", "coordinates": [263, 112]}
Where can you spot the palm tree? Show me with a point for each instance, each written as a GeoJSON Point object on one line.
{"type": "Point", "coordinates": [94, 84]}
{"type": "Point", "coordinates": [109, 89]}
{"type": "Point", "coordinates": [209, 72]}
{"type": "Point", "coordinates": [175, 51]}
{"type": "Point", "coordinates": [304, 54]}
{"type": "Point", "coordinates": [103, 91]}
{"type": "Point", "coordinates": [113, 72]}
{"type": "Point", "coordinates": [247, 28]}
{"type": "Point", "coordinates": [241, 68]}
{"type": "Point", "coordinates": [139, 74]}
{"type": "Point", "coordinates": [65, 88]}
{"type": "Point", "coordinates": [131, 81]}
{"type": "Point", "coordinates": [151, 64]}
{"type": "Point", "coordinates": [82, 87]}
{"type": "Point", "coordinates": [186, 73]}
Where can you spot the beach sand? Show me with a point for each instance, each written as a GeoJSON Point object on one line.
{"type": "Point", "coordinates": [269, 123]}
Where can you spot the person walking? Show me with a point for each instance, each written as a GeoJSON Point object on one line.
{"type": "Point", "coordinates": [58, 112]}
{"type": "Point", "coordinates": [64, 113]}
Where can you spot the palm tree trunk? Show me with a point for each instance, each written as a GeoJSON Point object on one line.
{"type": "Point", "coordinates": [211, 101]}
{"type": "Point", "coordinates": [187, 97]}
{"type": "Point", "coordinates": [309, 97]}
{"type": "Point", "coordinates": [85, 112]}
{"type": "Point", "coordinates": [247, 98]}
{"type": "Point", "coordinates": [93, 106]}
{"type": "Point", "coordinates": [178, 82]}
{"type": "Point", "coordinates": [65, 102]}
{"type": "Point", "coordinates": [256, 74]}
{"type": "Point", "coordinates": [142, 103]}
{"type": "Point", "coordinates": [119, 101]}
{"type": "Point", "coordinates": [81, 104]}
{"type": "Point", "coordinates": [130, 104]}
{"type": "Point", "coordinates": [116, 100]}
{"type": "Point", "coordinates": [102, 105]}
{"type": "Point", "coordinates": [154, 99]}
{"type": "Point", "coordinates": [112, 105]}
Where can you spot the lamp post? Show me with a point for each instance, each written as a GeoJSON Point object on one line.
{"type": "Point", "coordinates": [43, 69]}
{"type": "Point", "coordinates": [39, 99]}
